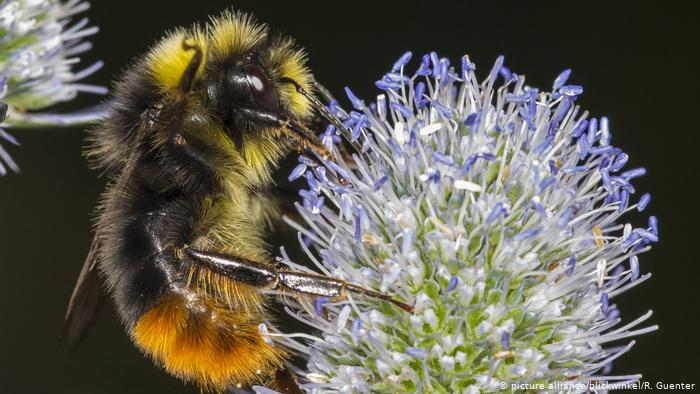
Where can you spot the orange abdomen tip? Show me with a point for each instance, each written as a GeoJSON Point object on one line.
{"type": "Point", "coordinates": [215, 347]}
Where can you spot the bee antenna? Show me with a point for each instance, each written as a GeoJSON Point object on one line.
{"type": "Point", "coordinates": [313, 144]}
{"type": "Point", "coordinates": [308, 139]}
{"type": "Point", "coordinates": [324, 111]}
{"type": "Point", "coordinates": [188, 77]}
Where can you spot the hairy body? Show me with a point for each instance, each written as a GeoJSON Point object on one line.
{"type": "Point", "coordinates": [190, 171]}
{"type": "Point", "coordinates": [194, 129]}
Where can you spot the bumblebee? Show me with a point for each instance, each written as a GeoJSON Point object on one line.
{"type": "Point", "coordinates": [194, 129]}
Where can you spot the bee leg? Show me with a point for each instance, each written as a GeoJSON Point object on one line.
{"type": "Point", "coordinates": [295, 130]}
{"type": "Point", "coordinates": [347, 156]}
{"type": "Point", "coordinates": [320, 285]}
{"type": "Point", "coordinates": [285, 382]}
{"type": "Point", "coordinates": [342, 147]}
{"type": "Point", "coordinates": [262, 275]}
{"type": "Point", "coordinates": [239, 269]}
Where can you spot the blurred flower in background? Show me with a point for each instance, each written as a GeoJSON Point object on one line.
{"type": "Point", "coordinates": [40, 42]}
{"type": "Point", "coordinates": [498, 209]}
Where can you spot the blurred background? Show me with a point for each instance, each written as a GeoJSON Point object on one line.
{"type": "Point", "coordinates": [638, 64]}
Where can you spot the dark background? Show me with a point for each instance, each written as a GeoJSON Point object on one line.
{"type": "Point", "coordinates": [638, 63]}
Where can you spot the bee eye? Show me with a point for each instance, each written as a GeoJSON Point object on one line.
{"type": "Point", "coordinates": [261, 87]}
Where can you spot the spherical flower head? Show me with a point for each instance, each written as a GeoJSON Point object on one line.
{"type": "Point", "coordinates": [39, 45]}
{"type": "Point", "coordinates": [497, 210]}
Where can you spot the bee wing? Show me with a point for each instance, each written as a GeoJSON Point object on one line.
{"type": "Point", "coordinates": [84, 302]}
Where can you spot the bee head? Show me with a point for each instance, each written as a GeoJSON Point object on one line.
{"type": "Point", "coordinates": [241, 68]}
{"type": "Point", "coordinates": [242, 84]}
{"type": "Point", "coordinates": [221, 99]}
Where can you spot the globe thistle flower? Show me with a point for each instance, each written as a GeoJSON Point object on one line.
{"type": "Point", "coordinates": [39, 45]}
{"type": "Point", "coordinates": [498, 210]}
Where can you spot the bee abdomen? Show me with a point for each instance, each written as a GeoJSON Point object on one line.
{"type": "Point", "coordinates": [196, 340]}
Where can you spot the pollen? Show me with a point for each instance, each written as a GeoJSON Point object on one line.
{"type": "Point", "coordinates": [504, 354]}
{"type": "Point", "coordinates": [598, 233]}
{"type": "Point", "coordinates": [506, 171]}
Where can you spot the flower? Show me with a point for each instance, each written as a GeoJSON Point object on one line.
{"type": "Point", "coordinates": [495, 208]}
{"type": "Point", "coordinates": [39, 45]}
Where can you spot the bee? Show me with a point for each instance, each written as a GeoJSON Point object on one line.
{"type": "Point", "coordinates": [193, 131]}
